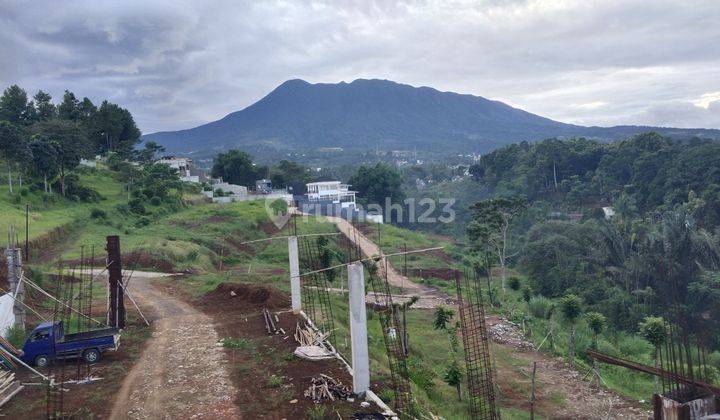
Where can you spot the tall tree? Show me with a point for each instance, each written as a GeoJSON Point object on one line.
{"type": "Point", "coordinates": [235, 167]}
{"type": "Point", "coordinates": [496, 215]}
{"type": "Point", "coordinates": [70, 142]}
{"type": "Point", "coordinates": [68, 108]}
{"type": "Point", "coordinates": [14, 105]}
{"type": "Point", "coordinates": [45, 109]}
{"type": "Point", "coordinates": [45, 159]}
{"type": "Point", "coordinates": [379, 184]}
{"type": "Point", "coordinates": [13, 148]}
{"type": "Point", "coordinates": [114, 130]}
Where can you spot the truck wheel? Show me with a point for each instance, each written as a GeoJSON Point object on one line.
{"type": "Point", "coordinates": [42, 361]}
{"type": "Point", "coordinates": [91, 356]}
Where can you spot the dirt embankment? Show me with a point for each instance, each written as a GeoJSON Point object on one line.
{"type": "Point", "coordinates": [269, 378]}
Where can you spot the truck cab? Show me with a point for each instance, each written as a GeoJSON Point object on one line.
{"type": "Point", "coordinates": [48, 341]}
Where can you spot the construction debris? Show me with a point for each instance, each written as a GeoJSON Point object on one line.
{"type": "Point", "coordinates": [510, 334]}
{"type": "Point", "coordinates": [313, 353]}
{"type": "Point", "coordinates": [269, 322]}
{"type": "Point", "coordinates": [8, 386]}
{"type": "Point", "coordinates": [306, 336]}
{"type": "Point", "coordinates": [326, 388]}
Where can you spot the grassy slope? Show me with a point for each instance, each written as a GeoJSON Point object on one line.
{"type": "Point", "coordinates": [203, 238]}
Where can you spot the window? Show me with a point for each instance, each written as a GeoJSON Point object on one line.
{"type": "Point", "coordinates": [40, 335]}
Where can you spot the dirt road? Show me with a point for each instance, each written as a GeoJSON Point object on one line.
{"type": "Point", "coordinates": [369, 249]}
{"type": "Point", "coordinates": [182, 372]}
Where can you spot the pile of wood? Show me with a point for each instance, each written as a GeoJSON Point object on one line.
{"type": "Point", "coordinates": [8, 386]}
{"type": "Point", "coordinates": [306, 336]}
{"type": "Point", "coordinates": [326, 388]}
{"type": "Point", "coordinates": [270, 321]}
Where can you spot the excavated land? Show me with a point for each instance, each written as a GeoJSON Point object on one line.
{"type": "Point", "coordinates": [269, 378]}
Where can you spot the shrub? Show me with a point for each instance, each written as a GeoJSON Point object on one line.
{"type": "Point", "coordinates": [514, 283]}
{"type": "Point", "coordinates": [156, 201]}
{"type": "Point", "coordinates": [142, 222]}
{"type": "Point", "coordinates": [526, 293]}
{"type": "Point", "coordinates": [539, 307]}
{"type": "Point", "coordinates": [236, 343]}
{"type": "Point", "coordinates": [316, 412]}
{"type": "Point", "coordinates": [274, 381]}
{"type": "Point", "coordinates": [136, 206]}
{"type": "Point", "coordinates": [97, 213]}
{"type": "Point", "coordinates": [16, 336]}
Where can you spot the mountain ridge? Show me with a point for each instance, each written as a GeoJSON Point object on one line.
{"type": "Point", "coordinates": [365, 113]}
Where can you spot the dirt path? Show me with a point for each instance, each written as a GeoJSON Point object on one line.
{"type": "Point", "coordinates": [369, 249]}
{"type": "Point", "coordinates": [561, 392]}
{"type": "Point", "coordinates": [181, 373]}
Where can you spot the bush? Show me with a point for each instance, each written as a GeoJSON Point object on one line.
{"type": "Point", "coordinates": [136, 206]}
{"type": "Point", "coordinates": [156, 201]}
{"type": "Point", "coordinates": [97, 213]}
{"type": "Point", "coordinates": [540, 307]}
{"type": "Point", "coordinates": [16, 336]}
{"type": "Point", "coordinates": [316, 412]}
{"type": "Point", "coordinates": [526, 293]}
{"type": "Point", "coordinates": [142, 222]}
{"type": "Point", "coordinates": [514, 283]}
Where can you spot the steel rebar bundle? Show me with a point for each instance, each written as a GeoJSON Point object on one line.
{"type": "Point", "coordinates": [478, 365]}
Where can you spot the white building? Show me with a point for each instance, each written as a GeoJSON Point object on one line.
{"type": "Point", "coordinates": [334, 191]}
{"type": "Point", "coordinates": [183, 165]}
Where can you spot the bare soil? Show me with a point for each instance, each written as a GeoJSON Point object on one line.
{"type": "Point", "coordinates": [182, 372]}
{"type": "Point", "coordinates": [236, 307]}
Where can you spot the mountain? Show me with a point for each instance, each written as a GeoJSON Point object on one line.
{"type": "Point", "coordinates": [365, 114]}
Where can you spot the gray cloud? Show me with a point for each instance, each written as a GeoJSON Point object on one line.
{"type": "Point", "coordinates": [179, 64]}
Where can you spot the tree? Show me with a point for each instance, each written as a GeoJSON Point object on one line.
{"type": "Point", "coordinates": [13, 148]}
{"type": "Point", "coordinates": [14, 105]}
{"type": "Point", "coordinates": [571, 307]}
{"type": "Point", "coordinates": [597, 322]}
{"type": "Point", "coordinates": [379, 184]}
{"type": "Point", "coordinates": [443, 315]}
{"type": "Point", "coordinates": [654, 330]}
{"type": "Point", "coordinates": [290, 174]}
{"type": "Point", "coordinates": [235, 167]}
{"type": "Point", "coordinates": [45, 159]}
{"type": "Point", "coordinates": [453, 377]}
{"type": "Point", "coordinates": [44, 108]}
{"type": "Point", "coordinates": [68, 108]}
{"type": "Point", "coordinates": [113, 129]}
{"type": "Point", "coordinates": [69, 140]}
{"type": "Point", "coordinates": [494, 216]}
{"type": "Point", "coordinates": [147, 155]}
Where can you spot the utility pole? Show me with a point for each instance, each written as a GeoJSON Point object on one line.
{"type": "Point", "coordinates": [532, 393]}
{"type": "Point", "coordinates": [116, 296]}
{"type": "Point", "coordinates": [27, 232]}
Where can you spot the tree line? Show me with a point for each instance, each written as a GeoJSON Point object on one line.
{"type": "Point", "coordinates": [44, 141]}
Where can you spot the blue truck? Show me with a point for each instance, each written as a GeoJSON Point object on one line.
{"type": "Point", "coordinates": [48, 342]}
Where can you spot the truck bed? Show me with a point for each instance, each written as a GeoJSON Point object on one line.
{"type": "Point", "coordinates": [87, 335]}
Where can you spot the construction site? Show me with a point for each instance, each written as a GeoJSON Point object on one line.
{"type": "Point", "coordinates": [333, 341]}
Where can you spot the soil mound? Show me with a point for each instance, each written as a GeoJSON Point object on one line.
{"type": "Point", "coordinates": [229, 296]}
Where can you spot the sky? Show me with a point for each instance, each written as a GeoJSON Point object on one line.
{"type": "Point", "coordinates": [178, 64]}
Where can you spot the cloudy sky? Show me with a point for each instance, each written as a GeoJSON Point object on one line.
{"type": "Point", "coordinates": [178, 64]}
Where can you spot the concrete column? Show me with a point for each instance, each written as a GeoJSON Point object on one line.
{"type": "Point", "coordinates": [14, 265]}
{"type": "Point", "coordinates": [294, 274]}
{"type": "Point", "coordinates": [358, 329]}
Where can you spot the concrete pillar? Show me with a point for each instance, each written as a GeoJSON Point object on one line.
{"type": "Point", "coordinates": [358, 329]}
{"type": "Point", "coordinates": [294, 274]}
{"type": "Point", "coordinates": [14, 265]}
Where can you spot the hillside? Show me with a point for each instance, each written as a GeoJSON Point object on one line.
{"type": "Point", "coordinates": [361, 115]}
